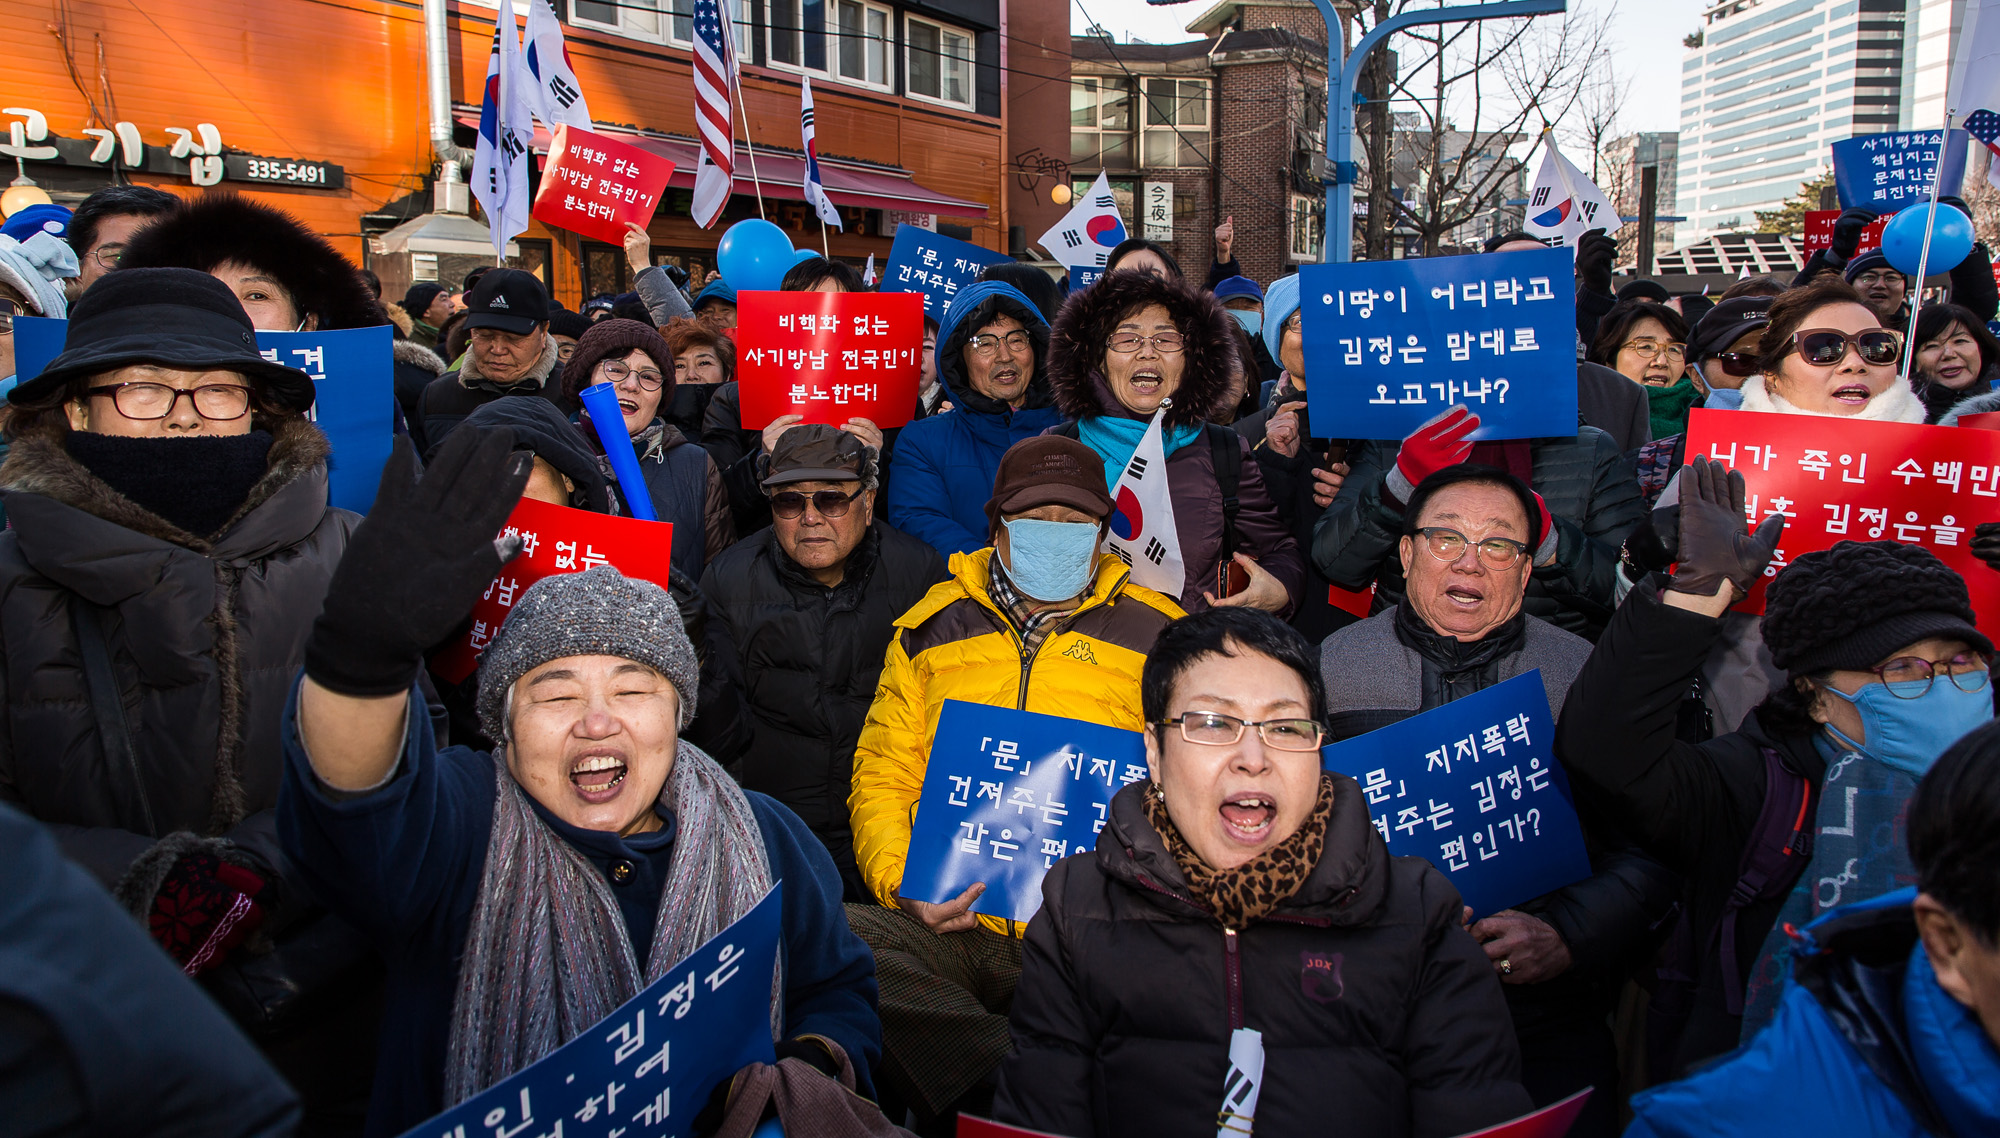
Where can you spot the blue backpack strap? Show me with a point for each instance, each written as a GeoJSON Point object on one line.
{"type": "Point", "coordinates": [1779, 850]}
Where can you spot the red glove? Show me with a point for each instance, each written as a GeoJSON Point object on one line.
{"type": "Point", "coordinates": [205, 908]}
{"type": "Point", "coordinates": [1545, 532]}
{"type": "Point", "coordinates": [1441, 442]}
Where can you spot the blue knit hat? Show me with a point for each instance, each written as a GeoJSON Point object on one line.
{"type": "Point", "coordinates": [1862, 262]}
{"type": "Point", "coordinates": [23, 224]}
{"type": "Point", "coordinates": [1280, 301]}
{"type": "Point", "coordinates": [1237, 286]}
{"type": "Point", "coordinates": [718, 289]}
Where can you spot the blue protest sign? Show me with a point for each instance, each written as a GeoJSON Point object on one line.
{"type": "Point", "coordinates": [935, 265]}
{"type": "Point", "coordinates": [1007, 794]}
{"type": "Point", "coordinates": [354, 401]}
{"type": "Point", "coordinates": [1474, 788]}
{"type": "Point", "coordinates": [648, 1068]}
{"type": "Point", "coordinates": [1390, 344]}
{"type": "Point", "coordinates": [1885, 172]}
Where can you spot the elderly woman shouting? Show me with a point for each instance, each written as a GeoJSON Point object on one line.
{"type": "Point", "coordinates": [1119, 352]}
{"type": "Point", "coordinates": [520, 896]}
{"type": "Point", "coordinates": [1242, 887]}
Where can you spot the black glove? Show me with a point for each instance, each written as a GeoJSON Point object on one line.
{"type": "Point", "coordinates": [1714, 543]}
{"type": "Point", "coordinates": [1986, 544]}
{"type": "Point", "coordinates": [1847, 234]}
{"type": "Point", "coordinates": [1646, 550]}
{"type": "Point", "coordinates": [417, 562]}
{"type": "Point", "coordinates": [1594, 256]}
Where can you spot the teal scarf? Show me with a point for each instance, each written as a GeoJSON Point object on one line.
{"type": "Point", "coordinates": [1668, 407]}
{"type": "Point", "coordinates": [1115, 440]}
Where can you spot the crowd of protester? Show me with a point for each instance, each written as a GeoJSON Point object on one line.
{"type": "Point", "coordinates": [270, 873]}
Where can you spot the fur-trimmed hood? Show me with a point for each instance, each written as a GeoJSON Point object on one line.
{"type": "Point", "coordinates": [1084, 326]}
{"type": "Point", "coordinates": [215, 228]}
{"type": "Point", "coordinates": [1971, 405]}
{"type": "Point", "coordinates": [416, 355]}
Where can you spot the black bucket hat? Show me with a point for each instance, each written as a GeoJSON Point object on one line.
{"type": "Point", "coordinates": [180, 318]}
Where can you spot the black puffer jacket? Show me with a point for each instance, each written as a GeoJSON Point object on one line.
{"type": "Point", "coordinates": [810, 657]}
{"type": "Point", "coordinates": [1590, 487]}
{"type": "Point", "coordinates": [205, 639]}
{"type": "Point", "coordinates": [1377, 1009]}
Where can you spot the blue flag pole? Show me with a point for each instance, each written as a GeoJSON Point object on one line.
{"type": "Point", "coordinates": [600, 402]}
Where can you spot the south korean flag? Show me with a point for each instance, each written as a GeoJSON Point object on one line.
{"type": "Point", "coordinates": [1085, 236]}
{"type": "Point", "coordinates": [1143, 533]}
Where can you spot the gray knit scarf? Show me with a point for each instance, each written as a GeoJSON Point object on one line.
{"type": "Point", "coordinates": [547, 955]}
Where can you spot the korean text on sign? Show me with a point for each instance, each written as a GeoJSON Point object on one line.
{"type": "Point", "coordinates": [593, 184]}
{"type": "Point", "coordinates": [556, 539]}
{"type": "Point", "coordinates": [1885, 172]}
{"type": "Point", "coordinates": [648, 1068]}
{"type": "Point", "coordinates": [830, 357]}
{"type": "Point", "coordinates": [1847, 480]}
{"type": "Point", "coordinates": [1007, 794]}
{"type": "Point", "coordinates": [1474, 787]}
{"type": "Point", "coordinates": [1393, 343]}
{"type": "Point", "coordinates": [935, 265]}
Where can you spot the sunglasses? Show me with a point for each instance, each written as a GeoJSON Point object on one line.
{"type": "Point", "coordinates": [789, 504]}
{"type": "Point", "coordinates": [1825, 347]}
{"type": "Point", "coordinates": [1742, 365]}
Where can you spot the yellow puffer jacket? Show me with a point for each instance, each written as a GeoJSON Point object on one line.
{"type": "Point", "coordinates": [955, 644]}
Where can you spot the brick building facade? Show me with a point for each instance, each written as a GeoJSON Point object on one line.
{"type": "Point", "coordinates": [1228, 122]}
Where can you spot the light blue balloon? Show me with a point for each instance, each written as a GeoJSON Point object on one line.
{"type": "Point", "coordinates": [800, 258]}
{"type": "Point", "coordinates": [1903, 239]}
{"type": "Point", "coordinates": [768, 1128]}
{"type": "Point", "coordinates": [753, 255]}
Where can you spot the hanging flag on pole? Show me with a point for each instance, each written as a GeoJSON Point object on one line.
{"type": "Point", "coordinates": [815, 190]}
{"type": "Point", "coordinates": [506, 128]}
{"type": "Point", "coordinates": [1143, 533]}
{"type": "Point", "coordinates": [714, 82]}
{"type": "Point", "coordinates": [1086, 235]}
{"type": "Point", "coordinates": [1974, 90]}
{"type": "Point", "coordinates": [1564, 204]}
{"type": "Point", "coordinates": [558, 97]}
{"type": "Point", "coordinates": [868, 274]}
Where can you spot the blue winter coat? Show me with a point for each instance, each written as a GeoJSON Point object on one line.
{"type": "Point", "coordinates": [1875, 1050]}
{"type": "Point", "coordinates": [942, 471]}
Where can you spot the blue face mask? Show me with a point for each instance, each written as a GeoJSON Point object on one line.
{"type": "Point", "coordinates": [1050, 561]}
{"type": "Point", "coordinates": [1724, 399]}
{"type": "Point", "coordinates": [1910, 734]}
{"type": "Point", "coordinates": [1253, 322]}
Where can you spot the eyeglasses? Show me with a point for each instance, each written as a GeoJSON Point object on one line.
{"type": "Point", "coordinates": [1742, 365]}
{"type": "Point", "coordinates": [564, 350]}
{"type": "Point", "coordinates": [8, 310]}
{"type": "Point", "coordinates": [789, 504]}
{"type": "Point", "coordinates": [1825, 347]}
{"type": "Point", "coordinates": [1125, 343]}
{"type": "Point", "coordinates": [1909, 677]}
{"type": "Point", "coordinates": [1449, 545]}
{"type": "Point", "coordinates": [987, 344]}
{"type": "Point", "coordinates": [1211, 729]}
{"type": "Point", "coordinates": [1878, 276]}
{"type": "Point", "coordinates": [615, 372]}
{"type": "Point", "coordinates": [1296, 321]}
{"type": "Point", "coordinates": [222, 402]}
{"type": "Point", "coordinates": [107, 256]}
{"type": "Point", "coordinates": [1649, 349]}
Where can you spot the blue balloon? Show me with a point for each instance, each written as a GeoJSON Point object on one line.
{"type": "Point", "coordinates": [753, 255]}
{"type": "Point", "coordinates": [1903, 239]}
{"type": "Point", "coordinates": [800, 258]}
{"type": "Point", "coordinates": [768, 1128]}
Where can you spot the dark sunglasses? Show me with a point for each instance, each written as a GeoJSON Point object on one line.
{"type": "Point", "coordinates": [1742, 365]}
{"type": "Point", "coordinates": [1824, 346]}
{"type": "Point", "coordinates": [789, 504]}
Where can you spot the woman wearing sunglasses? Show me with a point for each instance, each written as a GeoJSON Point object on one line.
{"type": "Point", "coordinates": [683, 482]}
{"type": "Point", "coordinates": [1801, 808]}
{"type": "Point", "coordinates": [1826, 353]}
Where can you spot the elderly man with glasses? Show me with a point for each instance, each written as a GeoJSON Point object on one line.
{"type": "Point", "coordinates": [1469, 535]}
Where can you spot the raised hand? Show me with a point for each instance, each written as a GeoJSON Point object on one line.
{"type": "Point", "coordinates": [1445, 440]}
{"type": "Point", "coordinates": [1716, 544]}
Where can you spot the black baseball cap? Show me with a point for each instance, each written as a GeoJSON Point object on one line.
{"type": "Point", "coordinates": [1727, 323]}
{"type": "Point", "coordinates": [511, 300]}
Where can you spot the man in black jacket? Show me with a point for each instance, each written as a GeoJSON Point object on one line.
{"type": "Point", "coordinates": [810, 605]}
{"type": "Point", "coordinates": [1460, 629]}
{"type": "Point", "coordinates": [512, 353]}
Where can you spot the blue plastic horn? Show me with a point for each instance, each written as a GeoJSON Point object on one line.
{"type": "Point", "coordinates": [600, 402]}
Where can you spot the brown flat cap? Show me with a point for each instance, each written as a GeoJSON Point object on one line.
{"type": "Point", "coordinates": [818, 452]}
{"type": "Point", "coordinates": [1048, 470]}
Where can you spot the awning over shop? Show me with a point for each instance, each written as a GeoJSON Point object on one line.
{"type": "Point", "coordinates": [783, 175]}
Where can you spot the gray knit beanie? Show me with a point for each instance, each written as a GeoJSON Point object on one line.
{"type": "Point", "coordinates": [598, 612]}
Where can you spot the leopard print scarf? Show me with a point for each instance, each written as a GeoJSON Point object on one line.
{"type": "Point", "coordinates": [1251, 890]}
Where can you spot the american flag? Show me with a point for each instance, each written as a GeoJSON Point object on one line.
{"type": "Point", "coordinates": [1984, 126]}
{"type": "Point", "coordinates": [714, 81]}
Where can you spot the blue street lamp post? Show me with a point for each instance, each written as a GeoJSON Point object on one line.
{"type": "Point", "coordinates": [1339, 241]}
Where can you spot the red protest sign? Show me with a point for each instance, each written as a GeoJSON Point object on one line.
{"type": "Point", "coordinates": [1847, 480]}
{"type": "Point", "coordinates": [830, 356]}
{"type": "Point", "coordinates": [1819, 231]}
{"type": "Point", "coordinates": [593, 184]}
{"type": "Point", "coordinates": [1983, 421]}
{"type": "Point", "coordinates": [556, 540]}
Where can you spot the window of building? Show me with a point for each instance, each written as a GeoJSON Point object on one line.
{"type": "Point", "coordinates": [680, 25]}
{"type": "Point", "coordinates": [939, 62]}
{"type": "Point", "coordinates": [1124, 191]}
{"type": "Point", "coordinates": [1176, 131]}
{"type": "Point", "coordinates": [1100, 123]}
{"type": "Point", "coordinates": [841, 39]}
{"type": "Point", "coordinates": [1308, 227]}
{"type": "Point", "coordinates": [639, 19]}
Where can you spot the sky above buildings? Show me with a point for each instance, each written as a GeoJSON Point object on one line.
{"type": "Point", "coordinates": [1646, 44]}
